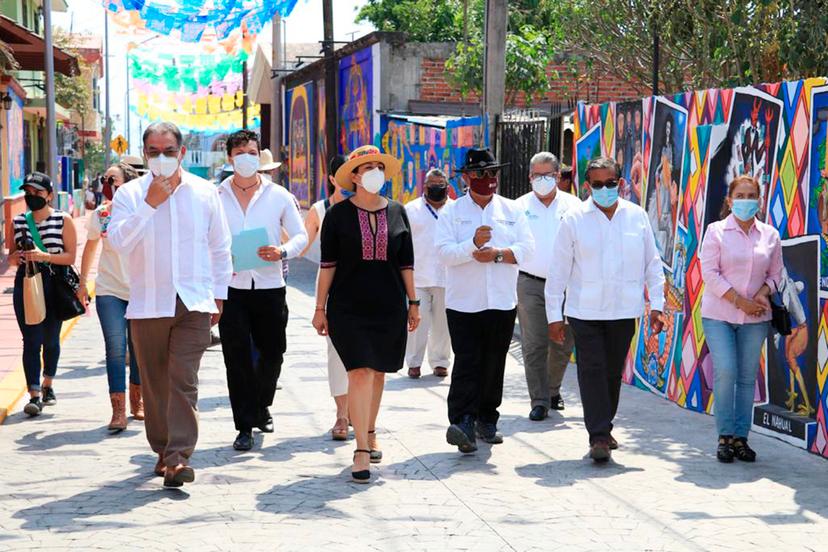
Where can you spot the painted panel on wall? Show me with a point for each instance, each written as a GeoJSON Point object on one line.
{"type": "Point", "coordinates": [321, 143]}
{"type": "Point", "coordinates": [422, 145]}
{"type": "Point", "coordinates": [778, 133]}
{"type": "Point", "coordinates": [356, 88]}
{"type": "Point", "coordinates": [301, 132]}
{"type": "Point", "coordinates": [14, 124]}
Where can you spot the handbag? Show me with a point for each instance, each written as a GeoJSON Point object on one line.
{"type": "Point", "coordinates": [65, 282]}
{"type": "Point", "coordinates": [34, 298]}
{"type": "Point", "coordinates": [780, 317]}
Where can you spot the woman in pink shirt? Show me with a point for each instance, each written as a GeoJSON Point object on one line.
{"type": "Point", "coordinates": [741, 260]}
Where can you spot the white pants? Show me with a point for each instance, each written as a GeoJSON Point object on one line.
{"type": "Point", "coordinates": [337, 376]}
{"type": "Point", "coordinates": [432, 331]}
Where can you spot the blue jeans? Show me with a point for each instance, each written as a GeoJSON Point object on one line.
{"type": "Point", "coordinates": [43, 337]}
{"type": "Point", "coordinates": [735, 349]}
{"type": "Point", "coordinates": [111, 313]}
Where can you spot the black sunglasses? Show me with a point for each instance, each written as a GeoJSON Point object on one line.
{"type": "Point", "coordinates": [488, 173]}
{"type": "Point", "coordinates": [110, 180]}
{"type": "Point", "coordinates": [608, 184]}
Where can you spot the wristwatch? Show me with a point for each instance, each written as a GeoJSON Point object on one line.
{"type": "Point", "coordinates": [499, 257]}
{"type": "Point", "coordinates": [283, 255]}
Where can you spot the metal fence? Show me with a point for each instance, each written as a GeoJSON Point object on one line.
{"type": "Point", "coordinates": [517, 142]}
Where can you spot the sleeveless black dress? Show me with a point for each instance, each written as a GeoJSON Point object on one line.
{"type": "Point", "coordinates": [367, 306]}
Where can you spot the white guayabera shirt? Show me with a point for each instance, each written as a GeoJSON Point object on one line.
{"type": "Point", "coordinates": [181, 248]}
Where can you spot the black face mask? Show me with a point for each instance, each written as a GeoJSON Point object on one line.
{"type": "Point", "coordinates": [35, 202]}
{"type": "Point", "coordinates": [436, 193]}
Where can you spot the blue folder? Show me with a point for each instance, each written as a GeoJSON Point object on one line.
{"type": "Point", "coordinates": [245, 249]}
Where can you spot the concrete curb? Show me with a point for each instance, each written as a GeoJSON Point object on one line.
{"type": "Point", "coordinates": [13, 386]}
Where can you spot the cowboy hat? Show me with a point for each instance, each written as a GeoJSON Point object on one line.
{"type": "Point", "coordinates": [480, 159]}
{"type": "Point", "coordinates": [360, 156]}
{"type": "Point", "coordinates": [266, 162]}
{"type": "Point", "coordinates": [135, 162]}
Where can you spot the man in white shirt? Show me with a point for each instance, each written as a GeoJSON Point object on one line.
{"type": "Point", "coordinates": [544, 361]}
{"type": "Point", "coordinates": [429, 279]}
{"type": "Point", "coordinates": [255, 310]}
{"type": "Point", "coordinates": [170, 226]}
{"type": "Point", "coordinates": [605, 258]}
{"type": "Point", "coordinates": [480, 238]}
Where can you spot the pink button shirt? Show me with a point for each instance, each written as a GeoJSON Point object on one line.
{"type": "Point", "coordinates": [732, 259]}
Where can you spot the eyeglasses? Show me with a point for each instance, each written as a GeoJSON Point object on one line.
{"type": "Point", "coordinates": [110, 180]}
{"type": "Point", "coordinates": [167, 153]}
{"type": "Point", "coordinates": [607, 184]}
{"type": "Point", "coordinates": [490, 173]}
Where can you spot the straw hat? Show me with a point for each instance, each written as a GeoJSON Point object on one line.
{"type": "Point", "coordinates": [266, 162]}
{"type": "Point", "coordinates": [362, 155]}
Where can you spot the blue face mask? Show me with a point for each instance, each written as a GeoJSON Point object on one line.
{"type": "Point", "coordinates": [745, 209]}
{"type": "Point", "coordinates": [605, 197]}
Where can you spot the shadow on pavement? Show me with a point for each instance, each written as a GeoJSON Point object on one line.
{"type": "Point", "coordinates": [312, 498]}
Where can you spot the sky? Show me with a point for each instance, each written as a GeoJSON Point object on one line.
{"type": "Point", "coordinates": [303, 25]}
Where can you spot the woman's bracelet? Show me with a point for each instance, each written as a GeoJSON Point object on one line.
{"type": "Point", "coordinates": [320, 308]}
{"type": "Point", "coordinates": [415, 302]}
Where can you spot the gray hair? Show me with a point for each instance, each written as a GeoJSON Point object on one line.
{"type": "Point", "coordinates": [435, 172]}
{"type": "Point", "coordinates": [545, 157]}
{"type": "Point", "coordinates": [603, 163]}
{"type": "Point", "coordinates": [163, 128]}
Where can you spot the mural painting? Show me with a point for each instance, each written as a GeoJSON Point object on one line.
{"type": "Point", "coordinates": [586, 148]}
{"type": "Point", "coordinates": [321, 169]}
{"type": "Point", "coordinates": [300, 133]}
{"type": "Point", "coordinates": [425, 143]}
{"type": "Point", "coordinates": [14, 124]}
{"type": "Point", "coordinates": [629, 144]}
{"type": "Point", "coordinates": [355, 101]}
{"type": "Point", "coordinates": [777, 133]}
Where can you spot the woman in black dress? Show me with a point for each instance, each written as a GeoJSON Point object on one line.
{"type": "Point", "coordinates": [365, 276]}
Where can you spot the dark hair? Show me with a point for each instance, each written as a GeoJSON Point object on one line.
{"type": "Point", "coordinates": [240, 138]}
{"type": "Point", "coordinates": [163, 128]}
{"type": "Point", "coordinates": [128, 172]}
{"type": "Point", "coordinates": [333, 165]}
{"type": "Point", "coordinates": [603, 163]}
{"type": "Point", "coordinates": [741, 179]}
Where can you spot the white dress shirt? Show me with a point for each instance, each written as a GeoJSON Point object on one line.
{"type": "Point", "coordinates": [472, 286]}
{"type": "Point", "coordinates": [544, 223]}
{"type": "Point", "coordinates": [181, 248]}
{"type": "Point", "coordinates": [430, 272]}
{"type": "Point", "coordinates": [603, 265]}
{"type": "Point", "coordinates": [272, 208]}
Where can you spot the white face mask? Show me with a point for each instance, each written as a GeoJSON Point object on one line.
{"type": "Point", "coordinates": [373, 180]}
{"type": "Point", "coordinates": [163, 165]}
{"type": "Point", "coordinates": [245, 164]}
{"type": "Point", "coordinates": [543, 185]}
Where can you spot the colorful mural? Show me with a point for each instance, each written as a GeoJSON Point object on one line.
{"type": "Point", "coordinates": [301, 132]}
{"type": "Point", "coordinates": [356, 88]}
{"type": "Point", "coordinates": [321, 164]}
{"type": "Point", "coordinates": [423, 143]}
{"type": "Point", "coordinates": [14, 124]}
{"type": "Point", "coordinates": [691, 145]}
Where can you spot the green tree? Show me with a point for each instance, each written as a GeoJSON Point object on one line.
{"type": "Point", "coordinates": [93, 159]}
{"type": "Point", "coordinates": [420, 20]}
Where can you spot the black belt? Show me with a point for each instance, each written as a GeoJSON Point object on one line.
{"type": "Point", "coordinates": [532, 276]}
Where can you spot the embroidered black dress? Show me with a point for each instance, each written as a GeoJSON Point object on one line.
{"type": "Point", "coordinates": [367, 306]}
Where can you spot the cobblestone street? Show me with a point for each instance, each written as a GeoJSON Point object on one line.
{"type": "Point", "coordinates": [68, 484]}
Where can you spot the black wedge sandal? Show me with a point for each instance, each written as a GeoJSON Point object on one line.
{"type": "Point", "coordinates": [724, 453]}
{"type": "Point", "coordinates": [376, 455]}
{"type": "Point", "coordinates": [361, 476]}
{"type": "Point", "coordinates": [742, 450]}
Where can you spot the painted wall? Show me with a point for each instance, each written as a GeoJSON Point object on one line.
{"type": "Point", "coordinates": [677, 164]}
{"type": "Point", "coordinates": [301, 133]}
{"type": "Point", "coordinates": [422, 147]}
{"type": "Point", "coordinates": [16, 149]}
{"type": "Point", "coordinates": [356, 100]}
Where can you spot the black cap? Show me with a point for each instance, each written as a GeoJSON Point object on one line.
{"type": "Point", "coordinates": [480, 159]}
{"type": "Point", "coordinates": [38, 181]}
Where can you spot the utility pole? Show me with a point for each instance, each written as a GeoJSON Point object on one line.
{"type": "Point", "coordinates": [51, 125]}
{"type": "Point", "coordinates": [656, 58]}
{"type": "Point", "coordinates": [244, 94]}
{"type": "Point", "coordinates": [276, 56]}
{"type": "Point", "coordinates": [108, 128]}
{"type": "Point", "coordinates": [494, 65]}
{"type": "Point", "coordinates": [331, 120]}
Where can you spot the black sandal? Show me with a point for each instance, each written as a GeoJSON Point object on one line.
{"type": "Point", "coordinates": [361, 476]}
{"type": "Point", "coordinates": [724, 453]}
{"type": "Point", "coordinates": [376, 455]}
{"type": "Point", "coordinates": [742, 450]}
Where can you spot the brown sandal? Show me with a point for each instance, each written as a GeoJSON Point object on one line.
{"type": "Point", "coordinates": [339, 432]}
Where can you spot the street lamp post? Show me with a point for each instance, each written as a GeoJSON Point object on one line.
{"type": "Point", "coordinates": [49, 65]}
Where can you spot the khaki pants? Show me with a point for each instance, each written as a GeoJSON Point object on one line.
{"type": "Point", "coordinates": [169, 352]}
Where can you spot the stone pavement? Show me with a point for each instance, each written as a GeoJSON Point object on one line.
{"type": "Point", "coordinates": [67, 484]}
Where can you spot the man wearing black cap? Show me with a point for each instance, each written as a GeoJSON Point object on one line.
{"type": "Point", "coordinates": [480, 238]}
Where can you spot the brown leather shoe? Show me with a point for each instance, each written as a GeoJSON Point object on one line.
{"type": "Point", "coordinates": [414, 372]}
{"type": "Point", "coordinates": [441, 372]}
{"type": "Point", "coordinates": [160, 468]}
{"type": "Point", "coordinates": [136, 403]}
{"type": "Point", "coordinates": [178, 475]}
{"type": "Point", "coordinates": [599, 451]}
{"type": "Point", "coordinates": [118, 421]}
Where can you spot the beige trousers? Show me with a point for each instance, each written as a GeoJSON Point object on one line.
{"type": "Point", "coordinates": [169, 352]}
